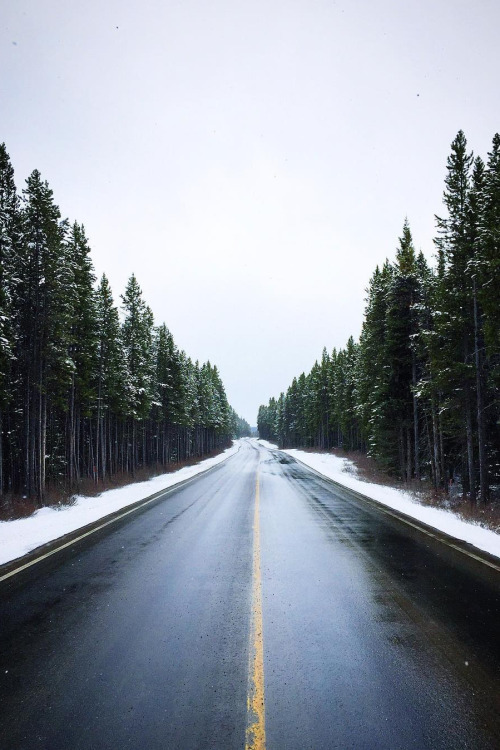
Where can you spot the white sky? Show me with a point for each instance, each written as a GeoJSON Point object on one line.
{"type": "Point", "coordinates": [250, 161]}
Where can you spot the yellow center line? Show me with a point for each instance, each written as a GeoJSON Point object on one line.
{"type": "Point", "coordinates": [256, 728]}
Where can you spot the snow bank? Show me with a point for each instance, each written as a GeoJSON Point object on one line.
{"type": "Point", "coordinates": [341, 470]}
{"type": "Point", "coordinates": [267, 444]}
{"type": "Point", "coordinates": [19, 537]}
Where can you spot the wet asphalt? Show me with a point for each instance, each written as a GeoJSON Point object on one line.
{"type": "Point", "coordinates": [375, 635]}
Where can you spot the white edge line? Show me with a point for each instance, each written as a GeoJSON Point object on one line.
{"type": "Point", "coordinates": [138, 505]}
{"type": "Point", "coordinates": [403, 518]}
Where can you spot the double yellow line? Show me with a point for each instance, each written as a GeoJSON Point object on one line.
{"type": "Point", "coordinates": [256, 725]}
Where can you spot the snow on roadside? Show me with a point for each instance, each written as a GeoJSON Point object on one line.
{"type": "Point", "coordinates": [343, 471]}
{"type": "Point", "coordinates": [267, 444]}
{"type": "Point", "coordinates": [19, 537]}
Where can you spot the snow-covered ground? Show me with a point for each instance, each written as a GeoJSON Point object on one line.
{"type": "Point", "coordinates": [269, 445]}
{"type": "Point", "coordinates": [19, 537]}
{"type": "Point", "coordinates": [343, 471]}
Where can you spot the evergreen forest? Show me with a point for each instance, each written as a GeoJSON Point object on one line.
{"type": "Point", "coordinates": [420, 390]}
{"type": "Point", "coordinates": [88, 390]}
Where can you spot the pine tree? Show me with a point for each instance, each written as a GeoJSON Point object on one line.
{"type": "Point", "coordinates": [10, 237]}
{"type": "Point", "coordinates": [314, 415]}
{"type": "Point", "coordinates": [372, 370]}
{"type": "Point", "coordinates": [43, 338]}
{"type": "Point", "coordinates": [487, 316]}
{"type": "Point", "coordinates": [345, 395]}
{"type": "Point", "coordinates": [401, 404]}
{"type": "Point", "coordinates": [489, 249]}
{"type": "Point", "coordinates": [110, 381]}
{"type": "Point", "coordinates": [323, 398]}
{"type": "Point", "coordinates": [476, 270]}
{"type": "Point", "coordinates": [454, 357]}
{"type": "Point", "coordinates": [281, 421]}
{"type": "Point", "coordinates": [81, 452]}
{"type": "Point", "coordinates": [425, 413]}
{"type": "Point", "coordinates": [137, 336]}
{"type": "Point", "coordinates": [166, 392]}
{"type": "Point", "coordinates": [267, 421]}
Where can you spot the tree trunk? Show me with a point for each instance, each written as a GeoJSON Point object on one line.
{"type": "Point", "coordinates": [409, 456]}
{"type": "Point", "coordinates": [416, 440]}
{"type": "Point", "coordinates": [441, 448]}
{"type": "Point", "coordinates": [43, 446]}
{"type": "Point", "coordinates": [471, 469]}
{"type": "Point", "coordinates": [483, 468]}
{"type": "Point", "coordinates": [1, 455]}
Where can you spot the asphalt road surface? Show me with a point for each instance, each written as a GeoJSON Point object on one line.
{"type": "Point", "coordinates": [256, 606]}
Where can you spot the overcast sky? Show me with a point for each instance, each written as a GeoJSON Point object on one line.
{"type": "Point", "coordinates": [250, 161]}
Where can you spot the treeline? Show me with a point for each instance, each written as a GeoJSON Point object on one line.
{"type": "Point", "coordinates": [86, 391]}
{"type": "Point", "coordinates": [420, 391]}
{"type": "Point", "coordinates": [241, 427]}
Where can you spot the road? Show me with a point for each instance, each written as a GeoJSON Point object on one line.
{"type": "Point", "coordinates": [258, 584]}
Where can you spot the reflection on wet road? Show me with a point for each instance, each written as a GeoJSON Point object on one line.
{"type": "Point", "coordinates": [143, 636]}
